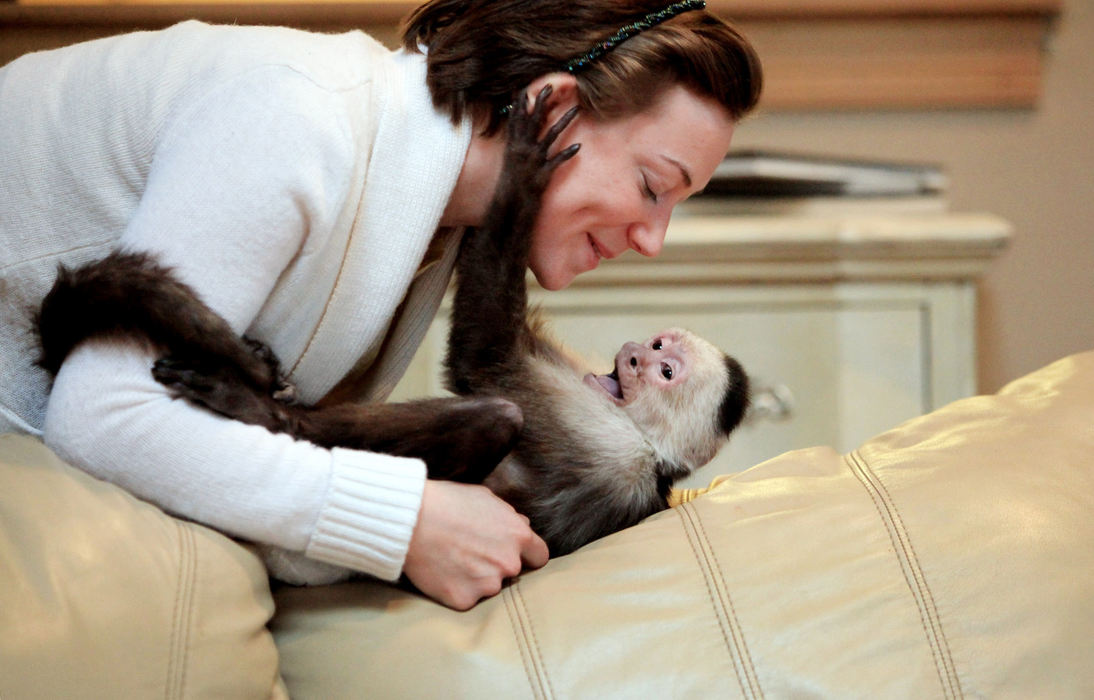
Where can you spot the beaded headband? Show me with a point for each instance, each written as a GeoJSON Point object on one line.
{"type": "Point", "coordinates": [625, 32]}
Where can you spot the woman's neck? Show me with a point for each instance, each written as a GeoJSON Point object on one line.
{"type": "Point", "coordinates": [478, 177]}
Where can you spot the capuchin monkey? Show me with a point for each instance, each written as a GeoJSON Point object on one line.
{"type": "Point", "coordinates": [580, 454]}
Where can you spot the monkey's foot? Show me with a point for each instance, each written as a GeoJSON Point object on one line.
{"type": "Point", "coordinates": [220, 389]}
{"type": "Point", "coordinates": [278, 384]}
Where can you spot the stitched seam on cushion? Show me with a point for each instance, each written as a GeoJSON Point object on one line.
{"type": "Point", "coordinates": [179, 645]}
{"type": "Point", "coordinates": [718, 612]}
{"type": "Point", "coordinates": [522, 625]}
{"type": "Point", "coordinates": [515, 623]}
{"type": "Point", "coordinates": [720, 600]}
{"type": "Point", "coordinates": [537, 654]}
{"type": "Point", "coordinates": [928, 596]}
{"type": "Point", "coordinates": [750, 668]}
{"type": "Point", "coordinates": [912, 571]}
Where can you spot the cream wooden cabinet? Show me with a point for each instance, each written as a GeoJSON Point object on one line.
{"type": "Point", "coordinates": [847, 324]}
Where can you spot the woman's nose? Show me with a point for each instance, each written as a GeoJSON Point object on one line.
{"type": "Point", "coordinates": [648, 237]}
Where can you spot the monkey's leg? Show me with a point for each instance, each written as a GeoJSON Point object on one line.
{"type": "Point", "coordinates": [459, 438]}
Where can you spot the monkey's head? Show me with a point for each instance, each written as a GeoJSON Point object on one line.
{"type": "Point", "coordinates": [683, 393]}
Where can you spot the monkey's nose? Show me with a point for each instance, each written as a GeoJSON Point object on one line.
{"type": "Point", "coordinates": [628, 355]}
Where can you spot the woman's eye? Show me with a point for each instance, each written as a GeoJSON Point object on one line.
{"type": "Point", "coordinates": [648, 190]}
{"type": "Point", "coordinates": [666, 371]}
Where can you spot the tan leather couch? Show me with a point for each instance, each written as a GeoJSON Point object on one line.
{"type": "Point", "coordinates": [952, 556]}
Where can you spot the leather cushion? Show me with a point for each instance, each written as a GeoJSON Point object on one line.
{"type": "Point", "coordinates": [104, 596]}
{"type": "Point", "coordinates": [951, 556]}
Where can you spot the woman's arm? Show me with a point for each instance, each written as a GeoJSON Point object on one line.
{"type": "Point", "coordinates": [229, 219]}
{"type": "Point", "coordinates": [354, 509]}
{"type": "Point", "coordinates": [240, 182]}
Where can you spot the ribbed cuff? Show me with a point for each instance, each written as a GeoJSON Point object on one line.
{"type": "Point", "coordinates": [370, 513]}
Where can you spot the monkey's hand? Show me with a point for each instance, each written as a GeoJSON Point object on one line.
{"type": "Point", "coordinates": [526, 160]}
{"type": "Point", "coordinates": [527, 166]}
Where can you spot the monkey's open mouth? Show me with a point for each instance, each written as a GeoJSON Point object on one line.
{"type": "Point", "coordinates": [610, 383]}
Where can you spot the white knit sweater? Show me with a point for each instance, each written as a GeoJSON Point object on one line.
{"type": "Point", "coordinates": [295, 181]}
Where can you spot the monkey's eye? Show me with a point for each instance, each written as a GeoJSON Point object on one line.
{"type": "Point", "coordinates": [666, 371]}
{"type": "Point", "coordinates": [656, 344]}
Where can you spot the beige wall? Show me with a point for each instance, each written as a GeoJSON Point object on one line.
{"type": "Point", "coordinates": [1034, 167]}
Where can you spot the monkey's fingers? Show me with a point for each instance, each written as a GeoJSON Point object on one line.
{"type": "Point", "coordinates": [559, 126]}
{"type": "Point", "coordinates": [523, 146]}
{"type": "Point", "coordinates": [525, 125]}
{"type": "Point", "coordinates": [564, 155]}
{"type": "Point", "coordinates": [539, 109]}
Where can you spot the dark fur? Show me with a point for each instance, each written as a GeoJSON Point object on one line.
{"type": "Point", "coordinates": [130, 296]}
{"type": "Point", "coordinates": [496, 349]}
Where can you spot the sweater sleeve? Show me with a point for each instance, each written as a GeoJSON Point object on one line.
{"type": "Point", "coordinates": [240, 183]}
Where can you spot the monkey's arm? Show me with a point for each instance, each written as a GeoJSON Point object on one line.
{"type": "Point", "coordinates": [132, 296]}
{"type": "Point", "coordinates": [488, 316]}
{"type": "Point", "coordinates": [459, 439]}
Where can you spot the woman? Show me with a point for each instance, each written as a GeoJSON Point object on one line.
{"type": "Point", "coordinates": [312, 189]}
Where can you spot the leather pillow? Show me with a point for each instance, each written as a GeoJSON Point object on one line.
{"type": "Point", "coordinates": [102, 595]}
{"type": "Point", "coordinates": [952, 556]}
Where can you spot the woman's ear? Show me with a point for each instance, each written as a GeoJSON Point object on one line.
{"type": "Point", "coordinates": [563, 94]}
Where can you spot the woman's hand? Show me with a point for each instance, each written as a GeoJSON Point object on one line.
{"type": "Point", "coordinates": [467, 542]}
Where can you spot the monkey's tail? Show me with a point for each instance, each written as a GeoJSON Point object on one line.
{"type": "Point", "coordinates": [130, 295]}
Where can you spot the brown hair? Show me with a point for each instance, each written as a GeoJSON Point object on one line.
{"type": "Point", "coordinates": [481, 53]}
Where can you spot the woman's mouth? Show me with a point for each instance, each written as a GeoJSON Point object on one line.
{"type": "Point", "coordinates": [598, 254]}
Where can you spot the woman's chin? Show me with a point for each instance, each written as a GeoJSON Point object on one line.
{"type": "Point", "coordinates": [553, 280]}
{"type": "Point", "coordinates": [553, 284]}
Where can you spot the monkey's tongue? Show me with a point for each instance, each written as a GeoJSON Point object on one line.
{"type": "Point", "coordinates": [610, 382]}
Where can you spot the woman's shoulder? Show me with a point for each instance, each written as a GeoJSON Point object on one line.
{"type": "Point", "coordinates": [333, 61]}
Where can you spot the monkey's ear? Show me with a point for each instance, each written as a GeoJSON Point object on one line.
{"type": "Point", "coordinates": [563, 94]}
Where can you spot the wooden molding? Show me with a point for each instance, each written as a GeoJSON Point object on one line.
{"type": "Point", "coordinates": [897, 54]}
{"type": "Point", "coordinates": [827, 248]}
{"type": "Point", "coordinates": [860, 8]}
{"type": "Point", "coordinates": [817, 54]}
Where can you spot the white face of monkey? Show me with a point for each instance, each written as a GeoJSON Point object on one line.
{"type": "Point", "coordinates": [672, 387]}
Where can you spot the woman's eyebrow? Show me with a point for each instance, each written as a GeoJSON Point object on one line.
{"type": "Point", "coordinates": [683, 170]}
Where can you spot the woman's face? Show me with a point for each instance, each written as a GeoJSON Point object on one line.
{"type": "Point", "coordinates": [618, 191]}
